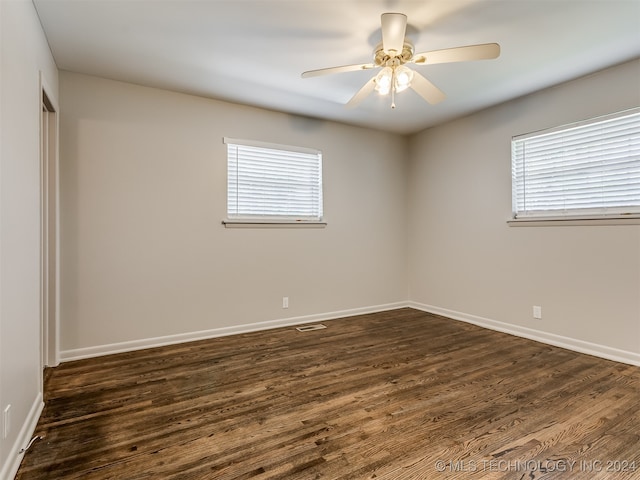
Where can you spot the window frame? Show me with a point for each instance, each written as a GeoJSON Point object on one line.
{"type": "Point", "coordinates": [575, 216]}
{"type": "Point", "coordinates": [270, 220]}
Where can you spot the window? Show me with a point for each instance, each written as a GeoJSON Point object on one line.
{"type": "Point", "coordinates": [269, 183]}
{"type": "Point", "coordinates": [585, 170]}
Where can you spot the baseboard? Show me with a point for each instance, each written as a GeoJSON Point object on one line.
{"type": "Point", "coordinates": [80, 353]}
{"type": "Point", "coordinates": [10, 468]}
{"type": "Point", "coordinates": [581, 346]}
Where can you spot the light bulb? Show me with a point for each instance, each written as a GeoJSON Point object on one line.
{"type": "Point", "coordinates": [383, 81]}
{"type": "Point", "coordinates": [403, 78]}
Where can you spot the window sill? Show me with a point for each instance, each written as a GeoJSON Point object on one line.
{"type": "Point", "coordinates": [576, 220]}
{"type": "Point", "coordinates": [272, 224]}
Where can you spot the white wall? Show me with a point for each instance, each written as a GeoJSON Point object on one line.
{"type": "Point", "coordinates": [143, 193]}
{"type": "Point", "coordinates": [24, 53]}
{"type": "Point", "coordinates": [466, 262]}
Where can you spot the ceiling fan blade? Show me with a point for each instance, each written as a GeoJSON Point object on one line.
{"type": "Point", "coordinates": [362, 93]}
{"type": "Point", "coordinates": [485, 51]}
{"type": "Point", "coordinates": [426, 89]}
{"type": "Point", "coordinates": [344, 68]}
{"type": "Point", "coordinates": [394, 26]}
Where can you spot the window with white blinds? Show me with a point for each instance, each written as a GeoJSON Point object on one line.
{"type": "Point", "coordinates": [273, 182]}
{"type": "Point", "coordinates": [589, 169]}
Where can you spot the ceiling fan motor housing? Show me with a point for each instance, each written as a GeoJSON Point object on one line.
{"type": "Point", "coordinates": [384, 59]}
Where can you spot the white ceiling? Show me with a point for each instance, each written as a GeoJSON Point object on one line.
{"type": "Point", "coordinates": [253, 51]}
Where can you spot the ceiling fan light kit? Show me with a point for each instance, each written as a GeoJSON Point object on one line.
{"type": "Point", "coordinates": [394, 52]}
{"type": "Point", "coordinates": [394, 79]}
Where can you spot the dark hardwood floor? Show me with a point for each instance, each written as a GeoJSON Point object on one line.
{"type": "Point", "coordinates": [393, 395]}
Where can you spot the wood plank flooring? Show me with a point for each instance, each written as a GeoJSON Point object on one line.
{"type": "Point", "coordinates": [396, 395]}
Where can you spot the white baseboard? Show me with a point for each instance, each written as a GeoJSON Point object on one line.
{"type": "Point", "coordinates": [79, 353]}
{"type": "Point", "coordinates": [581, 346]}
{"type": "Point", "coordinates": [10, 468]}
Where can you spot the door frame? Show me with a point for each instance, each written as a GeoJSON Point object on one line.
{"type": "Point", "coordinates": [49, 227]}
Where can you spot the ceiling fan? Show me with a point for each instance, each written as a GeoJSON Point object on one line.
{"type": "Point", "coordinates": [392, 55]}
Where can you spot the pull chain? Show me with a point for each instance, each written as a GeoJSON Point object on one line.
{"type": "Point", "coordinates": [393, 87]}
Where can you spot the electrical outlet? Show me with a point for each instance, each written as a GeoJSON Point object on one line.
{"type": "Point", "coordinates": [285, 302]}
{"type": "Point", "coordinates": [6, 421]}
{"type": "Point", "coordinates": [537, 312]}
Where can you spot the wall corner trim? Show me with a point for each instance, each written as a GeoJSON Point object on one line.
{"type": "Point", "coordinates": [10, 468]}
{"type": "Point", "coordinates": [576, 345]}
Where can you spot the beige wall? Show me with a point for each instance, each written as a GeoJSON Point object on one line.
{"type": "Point", "coordinates": [463, 258]}
{"type": "Point", "coordinates": [144, 254]}
{"type": "Point", "coordinates": [24, 53]}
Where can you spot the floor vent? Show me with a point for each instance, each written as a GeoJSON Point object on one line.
{"type": "Point", "coordinates": [310, 328]}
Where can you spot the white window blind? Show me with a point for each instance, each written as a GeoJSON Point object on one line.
{"type": "Point", "coordinates": [587, 169]}
{"type": "Point", "coordinates": [268, 181]}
